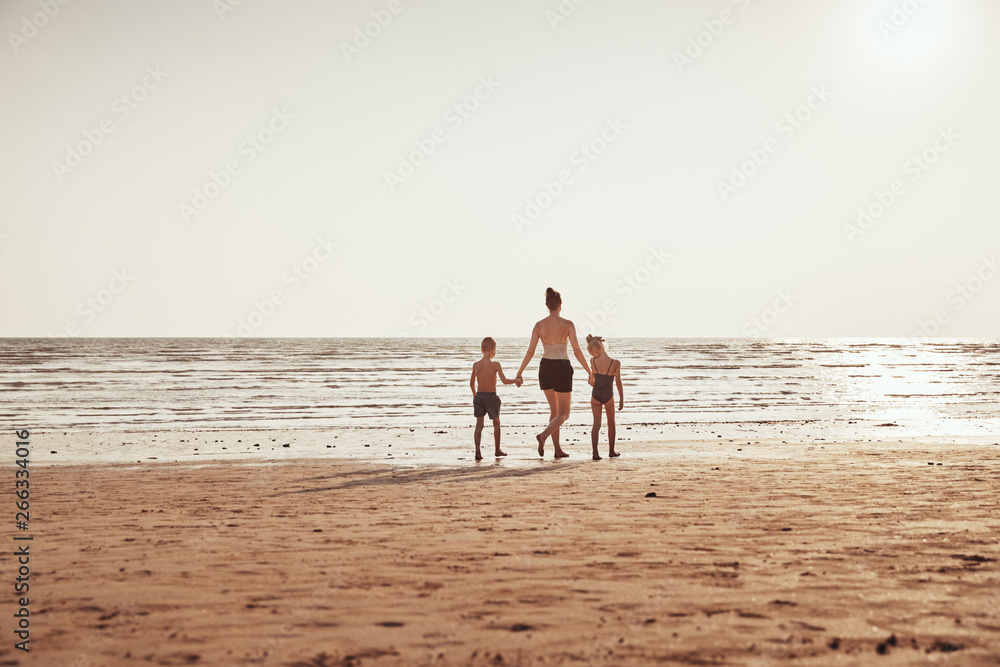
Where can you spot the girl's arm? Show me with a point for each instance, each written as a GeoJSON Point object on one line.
{"type": "Point", "coordinates": [531, 350]}
{"type": "Point", "coordinates": [618, 383]}
{"type": "Point", "coordinates": [579, 353]}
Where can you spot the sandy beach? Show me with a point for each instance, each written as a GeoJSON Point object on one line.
{"type": "Point", "coordinates": [274, 276]}
{"type": "Point", "coordinates": [882, 553]}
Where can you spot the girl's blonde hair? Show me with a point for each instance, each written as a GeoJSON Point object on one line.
{"type": "Point", "coordinates": [595, 343]}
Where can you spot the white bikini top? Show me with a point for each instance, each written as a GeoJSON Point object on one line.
{"type": "Point", "coordinates": [555, 351]}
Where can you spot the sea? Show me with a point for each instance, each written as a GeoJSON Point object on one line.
{"type": "Point", "coordinates": [852, 389]}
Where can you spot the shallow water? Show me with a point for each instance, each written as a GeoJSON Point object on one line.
{"type": "Point", "coordinates": [948, 387]}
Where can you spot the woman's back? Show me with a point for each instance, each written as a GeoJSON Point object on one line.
{"type": "Point", "coordinates": [553, 331]}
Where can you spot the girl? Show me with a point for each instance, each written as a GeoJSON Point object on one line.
{"type": "Point", "coordinates": [603, 395]}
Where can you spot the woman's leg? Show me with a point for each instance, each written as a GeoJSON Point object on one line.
{"type": "Point", "coordinates": [562, 402]}
{"type": "Point", "coordinates": [610, 405]}
{"type": "Point", "coordinates": [596, 431]}
{"type": "Point", "coordinates": [553, 413]}
{"type": "Point", "coordinates": [550, 396]}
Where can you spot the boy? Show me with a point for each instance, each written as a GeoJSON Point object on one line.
{"type": "Point", "coordinates": [485, 401]}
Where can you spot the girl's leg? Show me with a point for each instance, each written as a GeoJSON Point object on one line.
{"type": "Point", "coordinates": [550, 396]}
{"type": "Point", "coordinates": [559, 402]}
{"type": "Point", "coordinates": [610, 406]}
{"type": "Point", "coordinates": [596, 431]}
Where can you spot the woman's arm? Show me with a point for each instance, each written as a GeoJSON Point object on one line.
{"type": "Point", "coordinates": [531, 350]}
{"type": "Point", "coordinates": [578, 352]}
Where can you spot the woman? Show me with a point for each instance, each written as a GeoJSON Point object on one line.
{"type": "Point", "coordinates": [555, 372]}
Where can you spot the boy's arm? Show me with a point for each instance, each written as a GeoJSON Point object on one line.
{"type": "Point", "coordinates": [472, 381]}
{"type": "Point", "coordinates": [503, 377]}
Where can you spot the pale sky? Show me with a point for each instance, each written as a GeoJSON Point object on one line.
{"type": "Point", "coordinates": [120, 119]}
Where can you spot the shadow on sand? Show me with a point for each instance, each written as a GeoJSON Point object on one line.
{"type": "Point", "coordinates": [429, 475]}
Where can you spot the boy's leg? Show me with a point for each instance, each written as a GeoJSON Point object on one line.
{"type": "Point", "coordinates": [496, 437]}
{"type": "Point", "coordinates": [611, 427]}
{"type": "Point", "coordinates": [596, 431]}
{"type": "Point", "coordinates": [479, 437]}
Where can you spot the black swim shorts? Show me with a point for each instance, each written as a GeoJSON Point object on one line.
{"type": "Point", "coordinates": [486, 402]}
{"type": "Point", "coordinates": [555, 374]}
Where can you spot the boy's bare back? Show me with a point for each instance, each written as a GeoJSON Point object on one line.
{"type": "Point", "coordinates": [485, 372]}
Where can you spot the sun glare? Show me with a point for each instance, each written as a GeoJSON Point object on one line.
{"type": "Point", "coordinates": [909, 31]}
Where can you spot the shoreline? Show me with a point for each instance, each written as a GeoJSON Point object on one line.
{"type": "Point", "coordinates": [454, 446]}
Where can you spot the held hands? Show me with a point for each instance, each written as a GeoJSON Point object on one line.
{"type": "Point", "coordinates": [590, 379]}
{"type": "Point", "coordinates": [518, 380]}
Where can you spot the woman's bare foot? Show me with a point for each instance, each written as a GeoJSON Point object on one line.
{"type": "Point", "coordinates": [479, 457]}
{"type": "Point", "coordinates": [597, 457]}
{"type": "Point", "coordinates": [541, 445]}
{"type": "Point", "coordinates": [560, 454]}
{"type": "Point", "coordinates": [499, 453]}
{"type": "Point", "coordinates": [613, 454]}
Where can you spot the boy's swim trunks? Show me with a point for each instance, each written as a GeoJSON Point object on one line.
{"type": "Point", "coordinates": [486, 402]}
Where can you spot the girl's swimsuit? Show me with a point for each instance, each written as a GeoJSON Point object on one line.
{"type": "Point", "coordinates": [555, 370]}
{"type": "Point", "coordinates": [603, 391]}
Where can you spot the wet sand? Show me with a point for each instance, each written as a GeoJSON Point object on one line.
{"type": "Point", "coordinates": [747, 555]}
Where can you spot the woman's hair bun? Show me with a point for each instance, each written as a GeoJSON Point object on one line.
{"type": "Point", "coordinates": [590, 337]}
{"type": "Point", "coordinates": [552, 298]}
